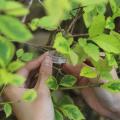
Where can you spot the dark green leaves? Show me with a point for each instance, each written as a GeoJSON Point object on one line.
{"type": "Point", "coordinates": [58, 115]}
{"type": "Point", "coordinates": [113, 86]}
{"type": "Point", "coordinates": [6, 51]}
{"type": "Point", "coordinates": [52, 83]}
{"type": "Point", "coordinates": [88, 72]}
{"type": "Point", "coordinates": [17, 31]}
{"type": "Point", "coordinates": [7, 109]}
{"type": "Point", "coordinates": [68, 81]}
{"type": "Point", "coordinates": [72, 112]}
{"type": "Point", "coordinates": [97, 26]}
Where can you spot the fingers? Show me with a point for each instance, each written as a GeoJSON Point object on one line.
{"type": "Point", "coordinates": [24, 72]}
{"type": "Point", "coordinates": [44, 73]}
{"type": "Point", "coordinates": [70, 69]}
{"type": "Point", "coordinates": [31, 66]}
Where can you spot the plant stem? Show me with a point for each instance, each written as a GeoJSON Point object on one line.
{"type": "Point", "coordinates": [81, 87]}
{"type": "Point", "coordinates": [29, 6]}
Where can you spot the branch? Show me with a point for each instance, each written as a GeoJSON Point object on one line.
{"type": "Point", "coordinates": [29, 6]}
{"type": "Point", "coordinates": [81, 87]}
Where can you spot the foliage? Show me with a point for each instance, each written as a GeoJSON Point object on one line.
{"type": "Point", "coordinates": [101, 37]}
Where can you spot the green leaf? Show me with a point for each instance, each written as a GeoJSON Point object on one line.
{"type": "Point", "coordinates": [17, 31]}
{"type": "Point", "coordinates": [110, 23]}
{"type": "Point", "coordinates": [103, 69]}
{"type": "Point", "coordinates": [29, 95]}
{"type": "Point", "coordinates": [89, 13]}
{"type": "Point", "coordinates": [88, 72]}
{"type": "Point", "coordinates": [19, 53]}
{"type": "Point", "coordinates": [72, 112]}
{"type": "Point", "coordinates": [113, 5]}
{"type": "Point", "coordinates": [65, 99]}
{"type": "Point", "coordinates": [73, 57]}
{"type": "Point", "coordinates": [15, 65]}
{"type": "Point", "coordinates": [6, 51]}
{"type": "Point", "coordinates": [112, 86]}
{"type": "Point", "coordinates": [15, 8]}
{"type": "Point", "coordinates": [80, 52]}
{"type": "Point", "coordinates": [58, 115]}
{"type": "Point", "coordinates": [91, 2]}
{"type": "Point", "coordinates": [2, 4]}
{"type": "Point", "coordinates": [15, 79]}
{"type": "Point", "coordinates": [28, 56]}
{"type": "Point", "coordinates": [61, 44]}
{"type": "Point", "coordinates": [52, 83]}
{"type": "Point", "coordinates": [97, 26]}
{"type": "Point", "coordinates": [116, 34]}
{"type": "Point", "coordinates": [44, 22]}
{"type": "Point", "coordinates": [101, 9]}
{"type": "Point", "coordinates": [90, 49]}
{"type": "Point", "coordinates": [116, 14]}
{"type": "Point", "coordinates": [111, 60]}
{"type": "Point", "coordinates": [109, 43]}
{"type": "Point", "coordinates": [68, 81]}
{"type": "Point", "coordinates": [7, 109]}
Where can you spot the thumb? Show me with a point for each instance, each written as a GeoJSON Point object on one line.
{"type": "Point", "coordinates": [44, 73]}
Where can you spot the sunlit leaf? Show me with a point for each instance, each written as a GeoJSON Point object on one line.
{"type": "Point", "coordinates": [15, 8]}
{"type": "Point", "coordinates": [108, 43]}
{"type": "Point", "coordinates": [17, 31]}
{"type": "Point", "coordinates": [15, 65]}
{"type": "Point", "coordinates": [72, 112]}
{"type": "Point", "coordinates": [29, 95]}
{"type": "Point", "coordinates": [52, 83]}
{"type": "Point", "coordinates": [97, 26]}
{"type": "Point", "coordinates": [88, 72]}
{"type": "Point", "coordinates": [6, 51]}
{"type": "Point", "coordinates": [61, 44]}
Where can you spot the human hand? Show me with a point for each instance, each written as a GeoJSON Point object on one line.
{"type": "Point", "coordinates": [98, 99]}
{"type": "Point", "coordinates": [42, 107]}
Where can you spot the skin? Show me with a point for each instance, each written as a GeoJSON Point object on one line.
{"type": "Point", "coordinates": [105, 103]}
{"type": "Point", "coordinates": [42, 107]}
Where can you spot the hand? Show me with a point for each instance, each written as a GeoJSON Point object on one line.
{"type": "Point", "coordinates": [42, 107]}
{"type": "Point", "coordinates": [98, 99]}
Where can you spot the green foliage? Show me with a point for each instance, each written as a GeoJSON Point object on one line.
{"type": "Point", "coordinates": [88, 72]}
{"type": "Point", "coordinates": [109, 43]}
{"type": "Point", "coordinates": [52, 83]}
{"type": "Point", "coordinates": [29, 95]}
{"type": "Point", "coordinates": [6, 51]}
{"type": "Point", "coordinates": [68, 81]}
{"type": "Point", "coordinates": [60, 16]}
{"type": "Point", "coordinates": [8, 28]}
{"type": "Point", "coordinates": [112, 86]}
{"type": "Point", "coordinates": [7, 109]}
{"type": "Point", "coordinates": [72, 112]}
{"type": "Point", "coordinates": [15, 65]}
{"type": "Point", "coordinates": [58, 115]}
{"type": "Point", "coordinates": [97, 26]}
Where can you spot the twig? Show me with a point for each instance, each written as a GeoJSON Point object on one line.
{"type": "Point", "coordinates": [81, 87]}
{"type": "Point", "coordinates": [41, 2]}
{"type": "Point", "coordinates": [29, 6]}
{"type": "Point", "coordinates": [74, 21]}
{"type": "Point", "coordinates": [80, 35]}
